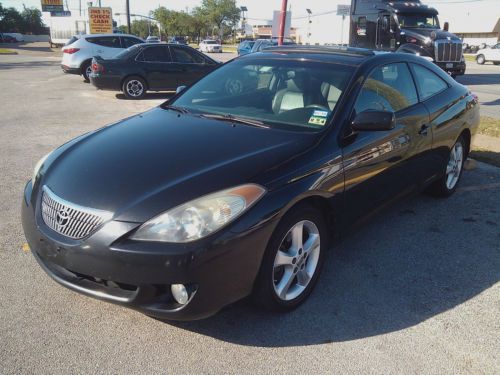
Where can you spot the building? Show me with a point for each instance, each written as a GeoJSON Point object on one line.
{"type": "Point", "coordinates": [487, 34]}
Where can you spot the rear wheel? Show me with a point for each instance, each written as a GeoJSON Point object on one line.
{"type": "Point", "coordinates": [293, 260]}
{"type": "Point", "coordinates": [480, 59]}
{"type": "Point", "coordinates": [446, 185]}
{"type": "Point", "coordinates": [134, 87]}
{"type": "Point", "coordinates": [86, 70]}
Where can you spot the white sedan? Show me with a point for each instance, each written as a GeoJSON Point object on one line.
{"type": "Point", "coordinates": [489, 54]}
{"type": "Point", "coordinates": [210, 46]}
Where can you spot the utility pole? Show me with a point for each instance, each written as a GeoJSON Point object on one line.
{"type": "Point", "coordinates": [281, 37]}
{"type": "Point", "coordinates": [128, 16]}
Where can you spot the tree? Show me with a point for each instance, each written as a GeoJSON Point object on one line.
{"type": "Point", "coordinates": [221, 14]}
{"type": "Point", "coordinates": [143, 28]}
{"type": "Point", "coordinates": [10, 20]}
{"type": "Point", "coordinates": [28, 21]}
{"type": "Point", "coordinates": [32, 21]}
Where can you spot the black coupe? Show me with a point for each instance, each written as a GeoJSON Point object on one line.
{"type": "Point", "coordinates": [145, 67]}
{"type": "Point", "coordinates": [238, 184]}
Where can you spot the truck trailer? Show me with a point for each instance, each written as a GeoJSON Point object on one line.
{"type": "Point", "coordinates": [405, 26]}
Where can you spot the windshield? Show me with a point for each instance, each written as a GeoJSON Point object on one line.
{"type": "Point", "coordinates": [129, 52]}
{"type": "Point", "coordinates": [293, 95]}
{"type": "Point", "coordinates": [422, 21]}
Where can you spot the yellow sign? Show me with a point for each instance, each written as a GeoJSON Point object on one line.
{"type": "Point", "coordinates": [52, 6]}
{"type": "Point", "coordinates": [100, 20]}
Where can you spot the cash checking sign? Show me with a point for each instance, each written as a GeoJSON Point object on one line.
{"type": "Point", "coordinates": [100, 20]}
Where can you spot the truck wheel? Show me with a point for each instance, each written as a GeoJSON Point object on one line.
{"type": "Point", "coordinates": [480, 59]}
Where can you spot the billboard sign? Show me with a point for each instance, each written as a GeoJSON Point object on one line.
{"type": "Point", "coordinates": [52, 6]}
{"type": "Point", "coordinates": [64, 13]}
{"type": "Point", "coordinates": [100, 20]}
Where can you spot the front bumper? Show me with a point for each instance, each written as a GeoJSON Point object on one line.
{"type": "Point", "coordinates": [454, 68]}
{"type": "Point", "coordinates": [138, 275]}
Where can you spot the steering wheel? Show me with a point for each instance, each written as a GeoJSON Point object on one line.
{"type": "Point", "coordinates": [318, 106]}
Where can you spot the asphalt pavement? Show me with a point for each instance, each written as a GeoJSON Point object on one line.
{"type": "Point", "coordinates": [416, 290]}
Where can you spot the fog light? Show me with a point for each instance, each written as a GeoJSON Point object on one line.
{"type": "Point", "coordinates": [180, 293]}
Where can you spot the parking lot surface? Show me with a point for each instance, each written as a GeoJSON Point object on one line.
{"type": "Point", "coordinates": [414, 291]}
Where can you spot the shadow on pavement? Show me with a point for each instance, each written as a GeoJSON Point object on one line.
{"type": "Point", "coordinates": [390, 275]}
{"type": "Point", "coordinates": [28, 64]}
{"type": "Point", "coordinates": [150, 96]}
{"type": "Point", "coordinates": [493, 102]}
{"type": "Point", "coordinates": [479, 79]}
{"type": "Point", "coordinates": [485, 156]}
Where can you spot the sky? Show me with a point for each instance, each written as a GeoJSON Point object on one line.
{"type": "Point", "coordinates": [463, 15]}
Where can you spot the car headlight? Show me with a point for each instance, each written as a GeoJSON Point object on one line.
{"type": "Point", "coordinates": [38, 165]}
{"type": "Point", "coordinates": [200, 217]}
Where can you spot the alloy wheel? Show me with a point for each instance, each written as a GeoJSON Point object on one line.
{"type": "Point", "coordinates": [454, 167]}
{"type": "Point", "coordinates": [297, 260]}
{"type": "Point", "coordinates": [134, 88]}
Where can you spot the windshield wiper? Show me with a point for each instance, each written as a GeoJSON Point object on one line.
{"type": "Point", "coordinates": [177, 109]}
{"type": "Point", "coordinates": [236, 119]}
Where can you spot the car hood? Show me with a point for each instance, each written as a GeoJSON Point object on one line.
{"type": "Point", "coordinates": [152, 162]}
{"type": "Point", "coordinates": [421, 34]}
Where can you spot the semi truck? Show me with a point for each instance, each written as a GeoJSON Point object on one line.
{"type": "Point", "coordinates": [405, 26]}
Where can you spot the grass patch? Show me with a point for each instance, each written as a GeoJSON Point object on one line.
{"type": "Point", "coordinates": [5, 51]}
{"type": "Point", "coordinates": [470, 58]}
{"type": "Point", "coordinates": [489, 126]}
{"type": "Point", "coordinates": [486, 156]}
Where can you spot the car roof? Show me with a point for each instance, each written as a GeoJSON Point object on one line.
{"type": "Point", "coordinates": [102, 35]}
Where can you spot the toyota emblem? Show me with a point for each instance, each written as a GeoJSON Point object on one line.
{"type": "Point", "coordinates": [62, 218]}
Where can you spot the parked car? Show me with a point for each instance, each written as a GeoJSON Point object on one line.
{"type": "Point", "coordinates": [210, 46]}
{"type": "Point", "coordinates": [18, 37]}
{"type": "Point", "coordinates": [489, 54]}
{"type": "Point", "coordinates": [146, 67]}
{"type": "Point", "coordinates": [245, 47]}
{"type": "Point", "coordinates": [153, 39]}
{"type": "Point", "coordinates": [221, 193]}
{"type": "Point", "coordinates": [77, 56]}
{"type": "Point", "coordinates": [178, 40]}
{"type": "Point", "coordinates": [261, 44]}
{"type": "Point", "coordinates": [5, 38]}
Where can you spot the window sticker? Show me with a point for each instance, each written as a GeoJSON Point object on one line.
{"type": "Point", "coordinates": [319, 118]}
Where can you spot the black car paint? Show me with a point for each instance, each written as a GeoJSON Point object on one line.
{"type": "Point", "coordinates": [159, 76]}
{"type": "Point", "coordinates": [157, 160]}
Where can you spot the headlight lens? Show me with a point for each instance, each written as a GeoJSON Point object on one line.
{"type": "Point", "coordinates": [200, 217]}
{"type": "Point", "coordinates": [38, 165]}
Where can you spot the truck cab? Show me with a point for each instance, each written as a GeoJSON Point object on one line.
{"type": "Point", "coordinates": [403, 26]}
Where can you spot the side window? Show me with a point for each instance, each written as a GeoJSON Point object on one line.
{"type": "Point", "coordinates": [183, 55]}
{"type": "Point", "coordinates": [361, 26]}
{"type": "Point", "coordinates": [428, 83]}
{"type": "Point", "coordinates": [129, 42]}
{"type": "Point", "coordinates": [106, 41]}
{"type": "Point", "coordinates": [156, 54]}
{"type": "Point", "coordinates": [387, 88]}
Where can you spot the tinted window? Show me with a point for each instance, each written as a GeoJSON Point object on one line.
{"type": "Point", "coordinates": [129, 42]}
{"type": "Point", "coordinates": [71, 41]}
{"type": "Point", "coordinates": [428, 83]}
{"type": "Point", "coordinates": [183, 55]}
{"type": "Point", "coordinates": [156, 54]}
{"type": "Point", "coordinates": [106, 41]}
{"type": "Point", "coordinates": [388, 88]}
{"type": "Point", "coordinates": [129, 52]}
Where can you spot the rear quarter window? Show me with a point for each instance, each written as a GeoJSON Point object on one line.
{"type": "Point", "coordinates": [428, 82]}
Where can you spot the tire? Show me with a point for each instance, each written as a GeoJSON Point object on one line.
{"type": "Point", "coordinates": [447, 185]}
{"type": "Point", "coordinates": [86, 70]}
{"type": "Point", "coordinates": [480, 59]}
{"type": "Point", "coordinates": [134, 87]}
{"type": "Point", "coordinates": [302, 264]}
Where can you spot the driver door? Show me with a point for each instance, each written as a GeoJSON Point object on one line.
{"type": "Point", "coordinates": [385, 33]}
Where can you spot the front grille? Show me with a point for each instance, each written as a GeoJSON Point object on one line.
{"type": "Point", "coordinates": [448, 51]}
{"type": "Point", "coordinates": [69, 219]}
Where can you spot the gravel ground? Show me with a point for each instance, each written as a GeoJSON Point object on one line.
{"type": "Point", "coordinates": [414, 291]}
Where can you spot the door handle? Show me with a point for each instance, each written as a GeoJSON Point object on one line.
{"type": "Point", "coordinates": [424, 129]}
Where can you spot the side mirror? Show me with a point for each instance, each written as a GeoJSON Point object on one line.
{"type": "Point", "coordinates": [446, 26]}
{"type": "Point", "coordinates": [180, 89]}
{"type": "Point", "coordinates": [374, 121]}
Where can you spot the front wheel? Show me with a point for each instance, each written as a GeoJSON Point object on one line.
{"type": "Point", "coordinates": [480, 59]}
{"type": "Point", "coordinates": [446, 185]}
{"type": "Point", "coordinates": [134, 87]}
{"type": "Point", "coordinates": [293, 260]}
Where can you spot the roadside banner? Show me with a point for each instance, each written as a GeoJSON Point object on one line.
{"type": "Point", "coordinates": [100, 20]}
{"type": "Point", "coordinates": [52, 6]}
{"type": "Point", "coordinates": [64, 13]}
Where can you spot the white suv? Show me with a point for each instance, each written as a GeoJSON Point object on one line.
{"type": "Point", "coordinates": [78, 53]}
{"type": "Point", "coordinates": [489, 54]}
{"type": "Point", "coordinates": [210, 46]}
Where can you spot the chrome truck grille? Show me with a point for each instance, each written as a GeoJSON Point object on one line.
{"type": "Point", "coordinates": [69, 219]}
{"type": "Point", "coordinates": [448, 51]}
